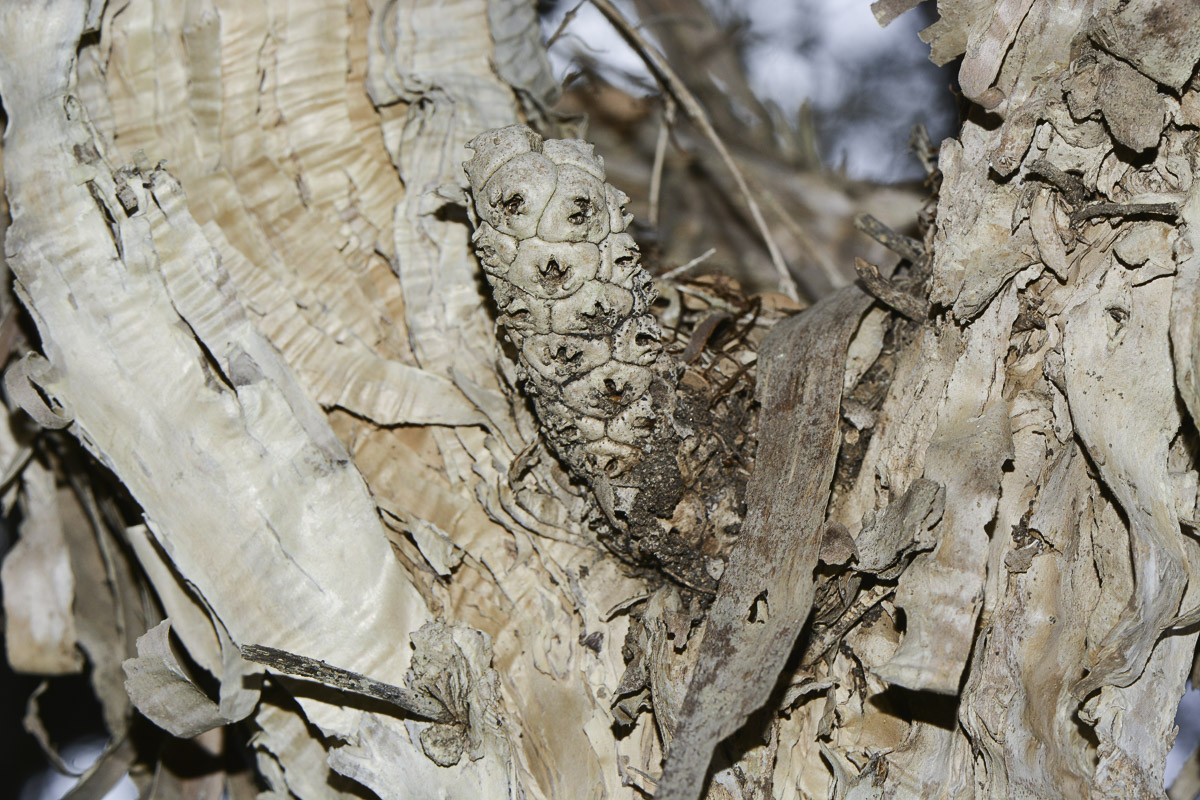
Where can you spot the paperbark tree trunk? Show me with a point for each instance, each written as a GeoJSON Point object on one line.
{"type": "Point", "coordinates": [240, 231]}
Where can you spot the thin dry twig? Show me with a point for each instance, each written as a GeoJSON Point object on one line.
{"type": "Point", "coordinates": [675, 272]}
{"type": "Point", "coordinates": [1169, 210]}
{"type": "Point", "coordinates": [691, 106]}
{"type": "Point", "coordinates": [305, 667]}
{"type": "Point", "coordinates": [728, 385]}
{"type": "Point", "coordinates": [920, 143]}
{"type": "Point", "coordinates": [825, 638]}
{"type": "Point", "coordinates": [834, 275]}
{"type": "Point", "coordinates": [660, 156]}
{"type": "Point", "coordinates": [904, 246]}
{"type": "Point", "coordinates": [888, 293]}
{"type": "Point", "coordinates": [562, 26]}
{"type": "Point", "coordinates": [1070, 185]}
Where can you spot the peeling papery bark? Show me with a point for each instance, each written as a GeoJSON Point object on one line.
{"type": "Point", "coordinates": [243, 234]}
{"type": "Point", "coordinates": [208, 409]}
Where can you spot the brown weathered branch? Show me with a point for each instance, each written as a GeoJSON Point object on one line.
{"type": "Point", "coordinates": [416, 704]}
{"type": "Point", "coordinates": [904, 246]}
{"type": "Point", "coordinates": [889, 294]}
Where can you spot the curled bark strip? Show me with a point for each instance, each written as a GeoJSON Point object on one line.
{"type": "Point", "coordinates": [942, 590]}
{"type": "Point", "coordinates": [1117, 358]}
{"type": "Point", "coordinates": [770, 570]}
{"type": "Point", "coordinates": [1071, 187]}
{"type": "Point", "coordinates": [161, 689]}
{"type": "Point", "coordinates": [22, 382]}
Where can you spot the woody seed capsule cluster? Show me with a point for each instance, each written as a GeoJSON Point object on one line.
{"type": "Point", "coordinates": [575, 303]}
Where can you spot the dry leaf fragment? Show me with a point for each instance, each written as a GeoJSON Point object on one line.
{"type": "Point", "coordinates": [159, 687]}
{"type": "Point", "coordinates": [451, 663]}
{"type": "Point", "coordinates": [738, 663]}
{"type": "Point", "coordinates": [39, 587]}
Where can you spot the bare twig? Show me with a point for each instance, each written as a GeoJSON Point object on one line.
{"type": "Point", "coordinates": [675, 272]}
{"type": "Point", "coordinates": [562, 26]}
{"type": "Point", "coordinates": [1071, 187]}
{"type": "Point", "coordinates": [691, 106]}
{"type": "Point", "coordinates": [904, 246]}
{"type": "Point", "coordinates": [918, 140]}
{"type": "Point", "coordinates": [888, 293]}
{"type": "Point", "coordinates": [1169, 210]}
{"type": "Point", "coordinates": [724, 388]}
{"type": "Point", "coordinates": [660, 155]}
{"type": "Point", "coordinates": [291, 664]}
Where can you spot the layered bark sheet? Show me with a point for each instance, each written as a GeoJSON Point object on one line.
{"type": "Point", "coordinates": [241, 232]}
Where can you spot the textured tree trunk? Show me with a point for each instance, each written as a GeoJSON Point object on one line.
{"type": "Point", "coordinates": [968, 566]}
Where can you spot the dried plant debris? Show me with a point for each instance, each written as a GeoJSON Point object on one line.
{"type": "Point", "coordinates": [160, 688]}
{"type": "Point", "coordinates": [939, 542]}
{"type": "Point", "coordinates": [664, 445]}
{"type": "Point", "coordinates": [767, 591]}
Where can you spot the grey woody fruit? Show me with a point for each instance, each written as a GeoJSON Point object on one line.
{"type": "Point", "coordinates": [575, 301]}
